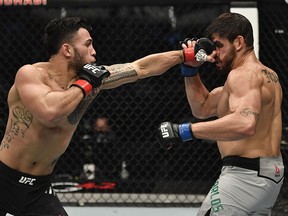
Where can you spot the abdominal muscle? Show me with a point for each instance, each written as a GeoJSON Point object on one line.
{"type": "Point", "coordinates": [250, 148]}
{"type": "Point", "coordinates": [36, 151]}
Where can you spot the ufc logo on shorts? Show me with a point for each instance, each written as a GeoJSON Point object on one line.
{"type": "Point", "coordinates": [164, 131]}
{"type": "Point", "coordinates": [27, 180]}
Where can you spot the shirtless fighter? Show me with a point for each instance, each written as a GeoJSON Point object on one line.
{"type": "Point", "coordinates": [46, 103]}
{"type": "Point", "coordinates": [249, 124]}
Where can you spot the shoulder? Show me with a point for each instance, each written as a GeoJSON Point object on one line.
{"type": "Point", "coordinates": [27, 69]}
{"type": "Point", "coordinates": [270, 75]}
{"type": "Point", "coordinates": [30, 71]}
{"type": "Point", "coordinates": [243, 77]}
{"type": "Point", "coordinates": [37, 67]}
{"type": "Point", "coordinates": [30, 74]}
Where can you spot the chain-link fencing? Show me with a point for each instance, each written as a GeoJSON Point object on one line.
{"type": "Point", "coordinates": [130, 168]}
{"type": "Point", "coordinates": [273, 31]}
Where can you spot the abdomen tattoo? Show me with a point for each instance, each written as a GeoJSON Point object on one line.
{"type": "Point", "coordinates": [20, 122]}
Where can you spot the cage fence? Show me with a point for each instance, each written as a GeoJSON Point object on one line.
{"type": "Point", "coordinates": [126, 165]}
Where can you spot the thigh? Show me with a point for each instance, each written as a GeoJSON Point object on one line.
{"type": "Point", "coordinates": [7, 197]}
{"type": "Point", "coordinates": [240, 191]}
{"type": "Point", "coordinates": [215, 204]}
{"type": "Point", "coordinates": [247, 191]}
{"type": "Point", "coordinates": [46, 204]}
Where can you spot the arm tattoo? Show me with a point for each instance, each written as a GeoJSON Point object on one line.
{"type": "Point", "coordinates": [118, 76]}
{"type": "Point", "coordinates": [77, 114]}
{"type": "Point", "coordinates": [119, 72]}
{"type": "Point", "coordinates": [247, 111]}
{"type": "Point", "coordinates": [20, 122]}
{"type": "Point", "coordinates": [271, 76]}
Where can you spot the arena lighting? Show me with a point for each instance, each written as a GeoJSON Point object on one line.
{"type": "Point", "coordinates": [23, 2]}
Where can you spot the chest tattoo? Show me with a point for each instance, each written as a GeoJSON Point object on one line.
{"type": "Point", "coordinates": [20, 122]}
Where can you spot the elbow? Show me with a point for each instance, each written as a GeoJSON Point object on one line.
{"type": "Point", "coordinates": [202, 111]}
{"type": "Point", "coordinates": [199, 114]}
{"type": "Point", "coordinates": [49, 116]}
{"type": "Point", "coordinates": [248, 130]}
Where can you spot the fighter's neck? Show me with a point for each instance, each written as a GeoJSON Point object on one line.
{"type": "Point", "coordinates": [61, 73]}
{"type": "Point", "coordinates": [243, 57]}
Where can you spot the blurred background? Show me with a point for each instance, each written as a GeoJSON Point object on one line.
{"type": "Point", "coordinates": [114, 158]}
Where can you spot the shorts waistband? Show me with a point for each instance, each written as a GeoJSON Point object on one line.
{"type": "Point", "coordinates": [246, 163]}
{"type": "Point", "coordinates": [22, 178]}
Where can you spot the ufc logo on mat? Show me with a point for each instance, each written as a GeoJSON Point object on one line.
{"type": "Point", "coordinates": [164, 131]}
{"type": "Point", "coordinates": [27, 180]}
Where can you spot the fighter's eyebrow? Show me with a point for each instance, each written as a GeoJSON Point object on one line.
{"type": "Point", "coordinates": [89, 41]}
{"type": "Point", "coordinates": [218, 43]}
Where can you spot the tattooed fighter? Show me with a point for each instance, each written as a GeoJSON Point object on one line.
{"type": "Point", "coordinates": [46, 103]}
{"type": "Point", "coordinates": [249, 124]}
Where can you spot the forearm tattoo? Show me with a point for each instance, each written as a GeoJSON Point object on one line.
{"type": "Point", "coordinates": [77, 114]}
{"type": "Point", "coordinates": [247, 112]}
{"type": "Point", "coordinates": [119, 72]}
{"type": "Point", "coordinates": [20, 122]}
{"type": "Point", "coordinates": [271, 76]}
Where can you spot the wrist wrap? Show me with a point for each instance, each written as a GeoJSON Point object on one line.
{"type": "Point", "coordinates": [188, 54]}
{"type": "Point", "coordinates": [185, 132]}
{"type": "Point", "coordinates": [187, 71]}
{"type": "Point", "coordinates": [84, 85]}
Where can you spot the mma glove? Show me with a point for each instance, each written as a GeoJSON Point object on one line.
{"type": "Point", "coordinates": [90, 76]}
{"type": "Point", "coordinates": [202, 48]}
{"type": "Point", "coordinates": [169, 134]}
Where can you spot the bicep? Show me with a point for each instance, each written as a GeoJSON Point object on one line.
{"type": "Point", "coordinates": [245, 96]}
{"type": "Point", "coordinates": [212, 101]}
{"type": "Point", "coordinates": [31, 90]}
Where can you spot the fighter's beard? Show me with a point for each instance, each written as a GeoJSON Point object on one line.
{"type": "Point", "coordinates": [77, 62]}
{"type": "Point", "coordinates": [227, 67]}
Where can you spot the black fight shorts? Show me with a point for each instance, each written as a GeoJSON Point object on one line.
{"type": "Point", "coordinates": [22, 194]}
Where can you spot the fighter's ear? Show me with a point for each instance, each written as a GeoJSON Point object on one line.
{"type": "Point", "coordinates": [66, 49]}
{"type": "Point", "coordinates": [239, 42]}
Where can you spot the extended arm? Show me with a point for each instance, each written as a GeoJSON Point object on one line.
{"type": "Point", "coordinates": [157, 64]}
{"type": "Point", "coordinates": [151, 65]}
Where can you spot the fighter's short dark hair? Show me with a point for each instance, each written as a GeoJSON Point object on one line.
{"type": "Point", "coordinates": [58, 31]}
